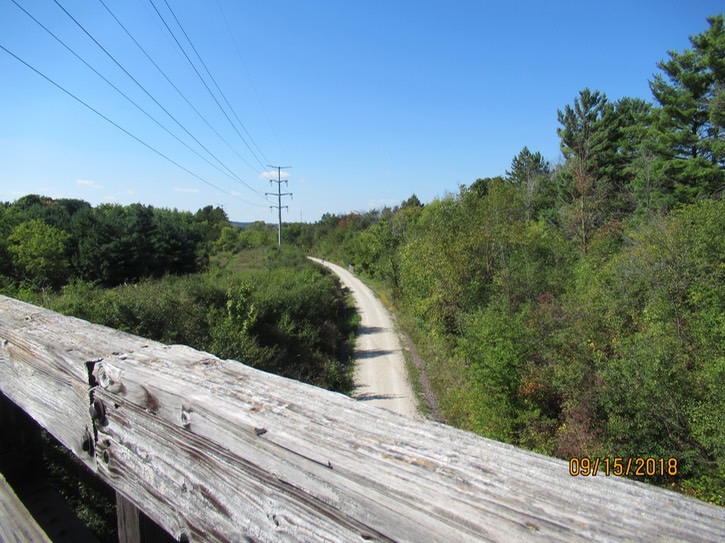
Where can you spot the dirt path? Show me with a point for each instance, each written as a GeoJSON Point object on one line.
{"type": "Point", "coordinates": [380, 376]}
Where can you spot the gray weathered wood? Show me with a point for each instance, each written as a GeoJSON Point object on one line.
{"type": "Point", "coordinates": [129, 520]}
{"type": "Point", "coordinates": [17, 525]}
{"type": "Point", "coordinates": [134, 526]}
{"type": "Point", "coordinates": [213, 450]}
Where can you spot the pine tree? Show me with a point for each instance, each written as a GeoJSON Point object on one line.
{"type": "Point", "coordinates": [586, 142]}
{"type": "Point", "coordinates": [691, 92]}
{"type": "Point", "coordinates": [528, 170]}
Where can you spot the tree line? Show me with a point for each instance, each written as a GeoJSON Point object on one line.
{"type": "Point", "coordinates": [577, 309]}
{"type": "Point", "coordinates": [45, 242]}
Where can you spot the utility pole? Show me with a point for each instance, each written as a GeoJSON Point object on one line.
{"type": "Point", "coordinates": [279, 195]}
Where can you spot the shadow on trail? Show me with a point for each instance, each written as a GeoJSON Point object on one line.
{"type": "Point", "coordinates": [371, 396]}
{"type": "Point", "coordinates": [373, 353]}
{"type": "Point", "coordinates": [369, 330]}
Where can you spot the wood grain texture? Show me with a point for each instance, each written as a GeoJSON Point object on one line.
{"type": "Point", "coordinates": [213, 450]}
{"type": "Point", "coordinates": [16, 524]}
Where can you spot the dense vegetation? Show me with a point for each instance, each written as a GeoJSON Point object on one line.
{"type": "Point", "coordinates": [577, 309]}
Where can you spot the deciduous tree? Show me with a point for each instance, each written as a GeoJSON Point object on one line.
{"type": "Point", "coordinates": [39, 252]}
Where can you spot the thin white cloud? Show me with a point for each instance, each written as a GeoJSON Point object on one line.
{"type": "Point", "coordinates": [273, 175]}
{"type": "Point", "coordinates": [87, 183]}
{"type": "Point", "coordinates": [181, 189]}
{"type": "Point", "coordinates": [381, 202]}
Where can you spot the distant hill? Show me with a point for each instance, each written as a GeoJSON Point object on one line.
{"type": "Point", "coordinates": [244, 225]}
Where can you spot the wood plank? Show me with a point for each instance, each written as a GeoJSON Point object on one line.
{"type": "Point", "coordinates": [17, 525]}
{"type": "Point", "coordinates": [129, 520]}
{"type": "Point", "coordinates": [47, 375]}
{"type": "Point", "coordinates": [213, 450]}
{"type": "Point", "coordinates": [135, 527]}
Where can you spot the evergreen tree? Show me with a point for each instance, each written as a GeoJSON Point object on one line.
{"type": "Point", "coordinates": [587, 143]}
{"type": "Point", "coordinates": [692, 118]}
{"type": "Point", "coordinates": [528, 170]}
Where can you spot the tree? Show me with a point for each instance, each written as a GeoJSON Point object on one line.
{"type": "Point", "coordinates": [692, 119]}
{"type": "Point", "coordinates": [413, 201]}
{"type": "Point", "coordinates": [174, 242]}
{"type": "Point", "coordinates": [527, 172]}
{"type": "Point", "coordinates": [638, 166]}
{"type": "Point", "coordinates": [586, 142]}
{"type": "Point", "coordinates": [213, 219]}
{"type": "Point", "coordinates": [480, 187]}
{"type": "Point", "coordinates": [5, 229]}
{"type": "Point", "coordinates": [38, 252]}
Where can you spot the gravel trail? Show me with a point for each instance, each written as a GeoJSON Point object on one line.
{"type": "Point", "coordinates": [380, 376]}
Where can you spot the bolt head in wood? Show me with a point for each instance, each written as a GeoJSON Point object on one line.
{"type": "Point", "coordinates": [185, 417]}
{"type": "Point", "coordinates": [87, 443]}
{"type": "Point", "coordinates": [97, 411]}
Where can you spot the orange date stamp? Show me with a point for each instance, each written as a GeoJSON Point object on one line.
{"type": "Point", "coordinates": [646, 466]}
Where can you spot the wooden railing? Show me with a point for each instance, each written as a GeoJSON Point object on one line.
{"type": "Point", "coordinates": [212, 450]}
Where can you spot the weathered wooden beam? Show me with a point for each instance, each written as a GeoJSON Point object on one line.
{"type": "Point", "coordinates": [16, 523]}
{"type": "Point", "coordinates": [212, 450]}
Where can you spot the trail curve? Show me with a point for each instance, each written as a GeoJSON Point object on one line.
{"type": "Point", "coordinates": [380, 376]}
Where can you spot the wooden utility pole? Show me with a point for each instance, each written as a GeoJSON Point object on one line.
{"type": "Point", "coordinates": [279, 194]}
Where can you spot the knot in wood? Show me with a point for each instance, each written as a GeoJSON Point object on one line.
{"type": "Point", "coordinates": [103, 377]}
{"type": "Point", "coordinates": [108, 376]}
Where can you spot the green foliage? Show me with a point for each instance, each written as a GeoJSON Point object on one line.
{"type": "Point", "coordinates": [587, 143]}
{"type": "Point", "coordinates": [39, 252]}
{"type": "Point", "coordinates": [653, 317]}
{"type": "Point", "coordinates": [289, 318]}
{"type": "Point", "coordinates": [529, 171]}
{"type": "Point", "coordinates": [690, 121]}
{"type": "Point", "coordinates": [494, 354]}
{"type": "Point", "coordinates": [614, 352]}
{"type": "Point", "coordinates": [46, 242]}
{"type": "Point", "coordinates": [92, 500]}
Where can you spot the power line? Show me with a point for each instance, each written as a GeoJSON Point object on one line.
{"type": "Point", "coordinates": [279, 205]}
{"type": "Point", "coordinates": [161, 71]}
{"type": "Point", "coordinates": [231, 174]}
{"type": "Point", "coordinates": [201, 78]}
{"type": "Point", "coordinates": [217, 87]}
{"type": "Point", "coordinates": [123, 129]}
{"type": "Point", "coordinates": [249, 75]}
{"type": "Point", "coordinates": [136, 81]}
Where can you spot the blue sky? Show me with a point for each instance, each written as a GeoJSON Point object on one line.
{"type": "Point", "coordinates": [368, 101]}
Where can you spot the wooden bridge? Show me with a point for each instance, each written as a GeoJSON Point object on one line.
{"type": "Point", "coordinates": [212, 450]}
